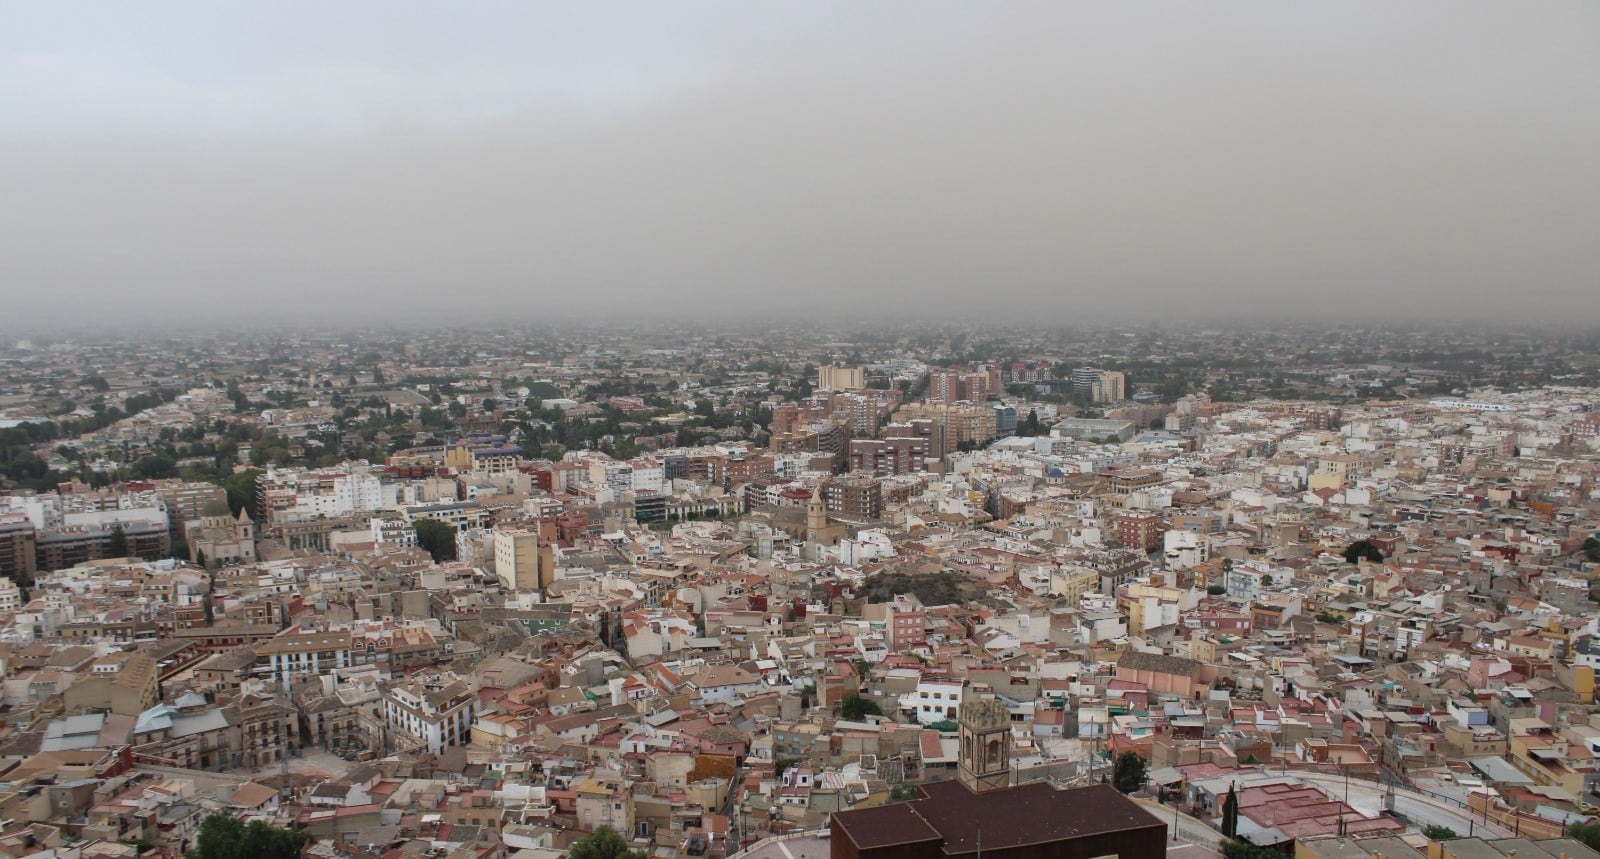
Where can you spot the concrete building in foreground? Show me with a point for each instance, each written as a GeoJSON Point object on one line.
{"type": "Point", "coordinates": [982, 814]}
{"type": "Point", "coordinates": [1029, 821]}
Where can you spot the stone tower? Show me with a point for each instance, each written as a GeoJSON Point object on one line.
{"type": "Point", "coordinates": [985, 757]}
{"type": "Point", "coordinates": [816, 517]}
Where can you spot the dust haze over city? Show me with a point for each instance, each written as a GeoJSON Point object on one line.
{"type": "Point", "coordinates": [799, 430]}
{"type": "Point", "coordinates": [382, 162]}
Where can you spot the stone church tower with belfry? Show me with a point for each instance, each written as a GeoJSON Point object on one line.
{"type": "Point", "coordinates": [816, 517]}
{"type": "Point", "coordinates": [985, 754]}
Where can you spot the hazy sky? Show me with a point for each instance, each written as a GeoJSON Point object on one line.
{"type": "Point", "coordinates": [262, 160]}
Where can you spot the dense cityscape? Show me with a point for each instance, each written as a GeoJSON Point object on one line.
{"type": "Point", "coordinates": [803, 429]}
{"type": "Point", "coordinates": [700, 591]}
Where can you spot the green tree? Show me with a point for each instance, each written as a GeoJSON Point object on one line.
{"type": "Point", "coordinates": [1588, 833]}
{"type": "Point", "coordinates": [1216, 590]}
{"type": "Point", "coordinates": [1235, 848]}
{"type": "Point", "coordinates": [223, 836]}
{"type": "Point", "coordinates": [1230, 814]}
{"type": "Point", "coordinates": [1030, 425]}
{"type": "Point", "coordinates": [1362, 549]}
{"type": "Point", "coordinates": [941, 588]}
{"type": "Point", "coordinates": [241, 401]}
{"type": "Point", "coordinates": [1591, 550]}
{"type": "Point", "coordinates": [154, 466]}
{"type": "Point", "coordinates": [439, 538]}
{"type": "Point", "coordinates": [603, 843]}
{"type": "Point", "coordinates": [200, 559]}
{"type": "Point", "coordinates": [1129, 773]}
{"type": "Point", "coordinates": [1438, 833]}
{"type": "Point", "coordinates": [241, 489]}
{"type": "Point", "coordinates": [117, 547]}
{"type": "Point", "coordinates": [856, 708]}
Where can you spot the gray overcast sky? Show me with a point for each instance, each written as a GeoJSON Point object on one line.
{"type": "Point", "coordinates": [403, 160]}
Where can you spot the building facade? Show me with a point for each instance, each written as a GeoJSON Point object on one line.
{"type": "Point", "coordinates": [434, 713]}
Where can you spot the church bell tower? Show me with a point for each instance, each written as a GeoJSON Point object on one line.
{"type": "Point", "coordinates": [816, 517]}
{"type": "Point", "coordinates": [985, 755]}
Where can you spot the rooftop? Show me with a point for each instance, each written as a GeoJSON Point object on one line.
{"type": "Point", "coordinates": [1027, 814]}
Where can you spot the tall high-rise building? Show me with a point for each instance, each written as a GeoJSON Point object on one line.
{"type": "Point", "coordinates": [521, 562]}
{"type": "Point", "coordinates": [1111, 389]}
{"type": "Point", "coordinates": [944, 386]}
{"type": "Point", "coordinates": [855, 495]}
{"type": "Point", "coordinates": [1100, 386]}
{"type": "Point", "coordinates": [17, 547]}
{"type": "Point", "coordinates": [954, 385]}
{"type": "Point", "coordinates": [957, 424]}
{"type": "Point", "coordinates": [831, 378]}
{"type": "Point", "coordinates": [900, 451]}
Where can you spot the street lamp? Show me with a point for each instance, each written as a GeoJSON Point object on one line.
{"type": "Point", "coordinates": [1346, 805]}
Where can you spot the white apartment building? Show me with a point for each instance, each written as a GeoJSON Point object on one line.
{"type": "Point", "coordinates": [395, 531]}
{"type": "Point", "coordinates": [1251, 579]}
{"type": "Point", "coordinates": [435, 712]}
{"type": "Point", "coordinates": [1185, 550]}
{"type": "Point", "coordinates": [10, 595]}
{"type": "Point", "coordinates": [352, 488]}
{"type": "Point", "coordinates": [722, 684]}
{"type": "Point", "coordinates": [296, 653]}
{"type": "Point", "coordinates": [934, 701]}
{"type": "Point", "coordinates": [616, 476]}
{"type": "Point", "coordinates": [649, 477]}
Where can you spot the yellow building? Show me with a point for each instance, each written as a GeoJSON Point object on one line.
{"type": "Point", "coordinates": [957, 424]}
{"type": "Point", "coordinates": [520, 562]}
{"type": "Point", "coordinates": [831, 378]}
{"type": "Point", "coordinates": [1073, 581]}
{"type": "Point", "coordinates": [1332, 472]}
{"type": "Point", "coordinates": [1548, 757]}
{"type": "Point", "coordinates": [1151, 606]}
